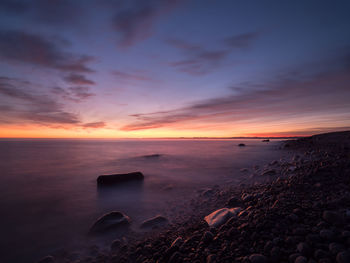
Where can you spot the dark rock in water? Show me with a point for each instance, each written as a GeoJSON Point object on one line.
{"type": "Point", "coordinates": [108, 221]}
{"type": "Point", "coordinates": [152, 156]}
{"type": "Point", "coordinates": [241, 145]}
{"type": "Point", "coordinates": [154, 222]}
{"type": "Point", "coordinates": [266, 140]}
{"type": "Point", "coordinates": [119, 178]}
{"type": "Point", "coordinates": [257, 258]}
{"type": "Point", "coordinates": [47, 259]}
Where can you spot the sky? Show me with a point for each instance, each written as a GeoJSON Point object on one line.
{"type": "Point", "coordinates": [173, 68]}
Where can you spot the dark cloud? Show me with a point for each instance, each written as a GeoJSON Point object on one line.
{"type": "Point", "coordinates": [242, 40]}
{"type": "Point", "coordinates": [40, 51]}
{"type": "Point", "coordinates": [200, 60]}
{"type": "Point", "coordinates": [134, 76]}
{"type": "Point", "coordinates": [76, 94]}
{"type": "Point", "coordinates": [53, 12]}
{"type": "Point", "coordinates": [30, 106]}
{"type": "Point", "coordinates": [135, 22]}
{"type": "Point", "coordinates": [281, 99]}
{"type": "Point", "coordinates": [94, 125]}
{"type": "Point", "coordinates": [78, 79]}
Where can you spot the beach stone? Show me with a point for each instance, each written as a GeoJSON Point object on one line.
{"type": "Point", "coordinates": [304, 249]}
{"type": "Point", "coordinates": [335, 248]}
{"type": "Point", "coordinates": [247, 197]}
{"type": "Point", "coordinates": [116, 244]}
{"type": "Point", "coordinates": [233, 202]}
{"type": "Point", "coordinates": [219, 217]}
{"type": "Point", "coordinates": [300, 259]}
{"type": "Point", "coordinates": [47, 259]}
{"type": "Point", "coordinates": [177, 242]}
{"type": "Point", "coordinates": [326, 234]}
{"type": "Point", "coordinates": [343, 257]}
{"type": "Point", "coordinates": [211, 258]}
{"type": "Point", "coordinates": [269, 173]}
{"type": "Point", "coordinates": [293, 257]}
{"type": "Point", "coordinates": [332, 217]}
{"type": "Point", "coordinates": [108, 221]}
{"type": "Point", "coordinates": [154, 222]}
{"type": "Point", "coordinates": [119, 178]}
{"type": "Point", "coordinates": [207, 237]}
{"type": "Point", "coordinates": [257, 258]}
{"type": "Point", "coordinates": [175, 257]}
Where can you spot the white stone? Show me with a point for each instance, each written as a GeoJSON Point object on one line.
{"type": "Point", "coordinates": [220, 216]}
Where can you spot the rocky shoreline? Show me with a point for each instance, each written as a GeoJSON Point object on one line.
{"type": "Point", "coordinates": [297, 211]}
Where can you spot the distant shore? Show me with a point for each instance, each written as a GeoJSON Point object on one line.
{"type": "Point", "coordinates": [296, 211]}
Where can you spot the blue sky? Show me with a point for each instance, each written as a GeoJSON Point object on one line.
{"type": "Point", "coordinates": [173, 68]}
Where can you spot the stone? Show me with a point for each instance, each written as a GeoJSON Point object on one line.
{"type": "Point", "coordinates": [219, 217]}
{"type": "Point", "coordinates": [154, 222]}
{"type": "Point", "coordinates": [177, 242]}
{"type": "Point", "coordinates": [293, 257]}
{"type": "Point", "coordinates": [332, 217]}
{"type": "Point", "coordinates": [116, 244]}
{"type": "Point", "coordinates": [304, 249]}
{"type": "Point", "coordinates": [300, 259]}
{"type": "Point", "coordinates": [207, 237]}
{"type": "Point", "coordinates": [269, 172]}
{"type": "Point", "coordinates": [108, 221]}
{"type": "Point", "coordinates": [326, 234]}
{"type": "Point", "coordinates": [343, 257]}
{"type": "Point", "coordinates": [257, 258]}
{"type": "Point", "coordinates": [233, 202]}
{"type": "Point", "coordinates": [335, 248]}
{"type": "Point", "coordinates": [47, 259]}
{"type": "Point", "coordinates": [119, 178]}
{"type": "Point", "coordinates": [241, 145]}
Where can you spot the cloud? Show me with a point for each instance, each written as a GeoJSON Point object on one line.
{"type": "Point", "coordinates": [37, 50]}
{"type": "Point", "coordinates": [94, 125]}
{"type": "Point", "coordinates": [282, 99]}
{"type": "Point", "coordinates": [200, 60]}
{"type": "Point", "coordinates": [135, 76]}
{"type": "Point", "coordinates": [242, 40]}
{"type": "Point", "coordinates": [76, 94]}
{"type": "Point", "coordinates": [78, 79]}
{"type": "Point", "coordinates": [135, 22]}
{"type": "Point", "coordinates": [33, 107]}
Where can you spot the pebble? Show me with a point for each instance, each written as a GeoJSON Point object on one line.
{"type": "Point", "coordinates": [257, 258]}
{"type": "Point", "coordinates": [343, 257]}
{"type": "Point", "coordinates": [300, 259]}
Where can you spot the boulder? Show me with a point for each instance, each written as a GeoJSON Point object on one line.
{"type": "Point", "coordinates": [266, 140]}
{"type": "Point", "coordinates": [118, 178]}
{"type": "Point", "coordinates": [152, 156]}
{"type": "Point", "coordinates": [154, 222]}
{"type": "Point", "coordinates": [241, 145]}
{"type": "Point", "coordinates": [220, 216]}
{"type": "Point", "coordinates": [109, 221]}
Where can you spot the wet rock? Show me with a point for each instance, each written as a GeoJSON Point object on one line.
{"type": "Point", "coordinates": [335, 248]}
{"type": "Point", "coordinates": [116, 244]}
{"type": "Point", "coordinates": [119, 178]}
{"type": "Point", "coordinates": [152, 156]}
{"type": "Point", "coordinates": [175, 258]}
{"type": "Point", "coordinates": [156, 221]}
{"type": "Point", "coordinates": [247, 197]}
{"type": "Point", "coordinates": [319, 253]}
{"type": "Point", "coordinates": [211, 258]}
{"type": "Point", "coordinates": [220, 216]}
{"type": "Point", "coordinates": [241, 145]}
{"type": "Point", "coordinates": [269, 173]}
{"type": "Point", "coordinates": [109, 221]}
{"type": "Point", "coordinates": [257, 258]}
{"type": "Point", "coordinates": [207, 237]}
{"type": "Point", "coordinates": [300, 259]}
{"type": "Point", "coordinates": [265, 140]}
{"type": "Point", "coordinates": [304, 249]}
{"type": "Point", "coordinates": [47, 259]}
{"type": "Point", "coordinates": [343, 257]}
{"type": "Point", "coordinates": [327, 234]}
{"type": "Point", "coordinates": [332, 217]}
{"type": "Point", "coordinates": [233, 202]}
{"type": "Point", "coordinates": [293, 257]}
{"type": "Point", "coordinates": [177, 242]}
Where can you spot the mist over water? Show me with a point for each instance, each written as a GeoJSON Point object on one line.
{"type": "Point", "coordinates": [49, 197]}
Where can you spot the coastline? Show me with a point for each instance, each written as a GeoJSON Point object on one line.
{"type": "Point", "coordinates": [298, 215]}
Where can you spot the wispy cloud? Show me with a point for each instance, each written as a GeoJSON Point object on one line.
{"type": "Point", "coordinates": [76, 94]}
{"type": "Point", "coordinates": [94, 125]}
{"type": "Point", "coordinates": [135, 21]}
{"type": "Point", "coordinates": [282, 99]}
{"type": "Point", "coordinates": [130, 77]}
{"type": "Point", "coordinates": [40, 51]}
{"type": "Point", "coordinates": [200, 60]}
{"type": "Point", "coordinates": [78, 79]}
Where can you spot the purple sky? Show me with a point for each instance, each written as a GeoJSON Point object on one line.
{"type": "Point", "coordinates": [173, 68]}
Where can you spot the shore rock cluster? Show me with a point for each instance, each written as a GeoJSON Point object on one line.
{"type": "Point", "coordinates": [302, 214]}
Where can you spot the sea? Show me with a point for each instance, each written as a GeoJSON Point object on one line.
{"type": "Point", "coordinates": [49, 197]}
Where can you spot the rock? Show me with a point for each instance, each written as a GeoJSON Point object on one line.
{"type": "Point", "coordinates": [177, 242]}
{"type": "Point", "coordinates": [152, 156]}
{"type": "Point", "coordinates": [108, 221]}
{"type": "Point", "coordinates": [335, 248]}
{"type": "Point", "coordinates": [241, 145]}
{"type": "Point", "coordinates": [257, 258]}
{"type": "Point", "coordinates": [211, 258]}
{"type": "Point", "coordinates": [265, 140]}
{"type": "Point", "coordinates": [220, 216]}
{"type": "Point", "coordinates": [119, 178]}
{"type": "Point", "coordinates": [47, 259]}
{"type": "Point", "coordinates": [244, 170]}
{"type": "Point", "coordinates": [332, 217]}
{"type": "Point", "coordinates": [116, 244]}
{"type": "Point", "coordinates": [300, 259]}
{"type": "Point", "coordinates": [304, 249]}
{"type": "Point", "coordinates": [326, 234]}
{"type": "Point", "coordinates": [343, 257]}
{"type": "Point", "coordinates": [319, 253]}
{"type": "Point", "coordinates": [293, 257]}
{"type": "Point", "coordinates": [207, 237]}
{"type": "Point", "coordinates": [233, 202]}
{"type": "Point", "coordinates": [175, 258]}
{"type": "Point", "coordinates": [269, 173]}
{"type": "Point", "coordinates": [247, 197]}
{"type": "Point", "coordinates": [154, 222]}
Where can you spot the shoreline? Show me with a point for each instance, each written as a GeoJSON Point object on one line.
{"type": "Point", "coordinates": [282, 220]}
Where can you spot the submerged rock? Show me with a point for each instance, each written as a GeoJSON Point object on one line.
{"type": "Point", "coordinates": [154, 222]}
{"type": "Point", "coordinates": [118, 178]}
{"type": "Point", "coordinates": [241, 145]}
{"type": "Point", "coordinates": [108, 221]}
{"type": "Point", "coordinates": [220, 216]}
{"type": "Point", "coordinates": [152, 156]}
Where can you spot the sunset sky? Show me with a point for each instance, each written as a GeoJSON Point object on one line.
{"type": "Point", "coordinates": [172, 68]}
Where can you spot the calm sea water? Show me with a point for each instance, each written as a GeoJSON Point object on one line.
{"type": "Point", "coordinates": [49, 197]}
